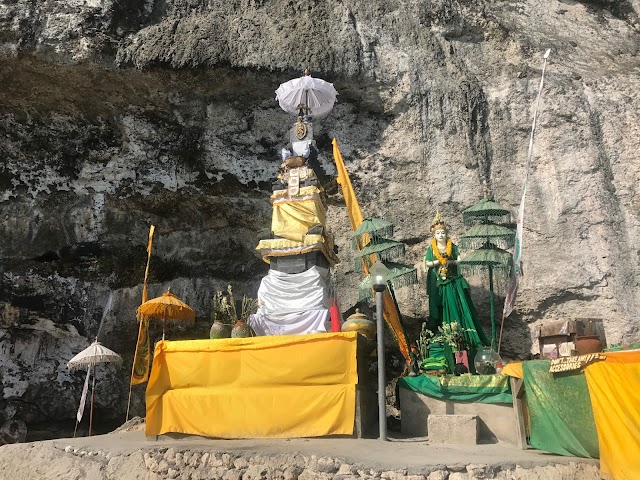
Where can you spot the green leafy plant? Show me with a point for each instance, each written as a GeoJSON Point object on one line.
{"type": "Point", "coordinates": [424, 340]}
{"type": "Point", "coordinates": [452, 334]}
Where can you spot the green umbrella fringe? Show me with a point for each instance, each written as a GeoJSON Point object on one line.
{"type": "Point", "coordinates": [365, 293]}
{"type": "Point", "coordinates": [475, 218]}
{"type": "Point", "coordinates": [362, 240]}
{"type": "Point", "coordinates": [503, 241]}
{"type": "Point", "coordinates": [385, 256]}
{"type": "Point", "coordinates": [409, 278]}
{"type": "Point", "coordinates": [470, 269]}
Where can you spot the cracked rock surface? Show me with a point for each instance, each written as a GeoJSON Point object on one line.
{"type": "Point", "coordinates": [115, 115]}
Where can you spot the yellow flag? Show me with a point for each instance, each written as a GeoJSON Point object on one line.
{"type": "Point", "coordinates": [142, 357]}
{"type": "Point", "coordinates": [353, 208]}
{"type": "Point", "coordinates": [391, 313]}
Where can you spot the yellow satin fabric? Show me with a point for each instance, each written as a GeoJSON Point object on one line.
{"type": "Point", "coordinates": [614, 388]}
{"type": "Point", "coordinates": [281, 247]}
{"type": "Point", "coordinates": [260, 387]}
{"type": "Point", "coordinates": [292, 216]}
{"type": "Point", "coordinates": [513, 369]}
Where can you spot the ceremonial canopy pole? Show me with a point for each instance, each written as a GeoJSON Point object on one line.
{"type": "Point", "coordinates": [516, 269]}
{"type": "Point", "coordinates": [142, 356]}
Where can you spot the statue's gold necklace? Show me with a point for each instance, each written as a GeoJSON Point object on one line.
{"type": "Point", "coordinates": [442, 271]}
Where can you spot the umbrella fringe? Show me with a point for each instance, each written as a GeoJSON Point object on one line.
{"type": "Point", "coordinates": [390, 253]}
{"type": "Point", "coordinates": [474, 218]}
{"type": "Point", "coordinates": [477, 269]}
{"type": "Point", "coordinates": [503, 241]}
{"type": "Point", "coordinates": [365, 292]}
{"type": "Point", "coordinates": [361, 241]}
{"type": "Point", "coordinates": [406, 279]}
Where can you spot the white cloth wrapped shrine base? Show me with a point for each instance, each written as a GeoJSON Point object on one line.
{"type": "Point", "coordinates": [312, 321]}
{"type": "Point", "coordinates": [292, 303]}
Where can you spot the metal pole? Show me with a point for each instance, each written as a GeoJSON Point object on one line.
{"type": "Point", "coordinates": [494, 339]}
{"type": "Point", "coordinates": [382, 382]}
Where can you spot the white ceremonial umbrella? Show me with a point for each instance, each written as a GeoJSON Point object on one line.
{"type": "Point", "coordinates": [89, 358]}
{"type": "Point", "coordinates": [313, 96]}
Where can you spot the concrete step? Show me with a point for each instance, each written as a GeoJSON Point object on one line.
{"type": "Point", "coordinates": [453, 429]}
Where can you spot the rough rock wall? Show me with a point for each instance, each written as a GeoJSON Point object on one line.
{"type": "Point", "coordinates": [115, 115]}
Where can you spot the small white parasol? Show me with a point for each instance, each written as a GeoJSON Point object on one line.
{"type": "Point", "coordinates": [89, 358]}
{"type": "Point", "coordinates": [312, 96]}
{"type": "Point", "coordinates": [92, 355]}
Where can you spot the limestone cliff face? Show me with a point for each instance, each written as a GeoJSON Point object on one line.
{"type": "Point", "coordinates": [115, 115]}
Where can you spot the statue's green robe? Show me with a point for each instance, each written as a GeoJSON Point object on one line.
{"type": "Point", "coordinates": [450, 301]}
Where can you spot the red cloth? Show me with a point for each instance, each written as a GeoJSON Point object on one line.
{"type": "Point", "coordinates": [334, 311]}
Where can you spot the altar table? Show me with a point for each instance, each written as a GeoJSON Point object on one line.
{"type": "Point", "coordinates": [259, 387]}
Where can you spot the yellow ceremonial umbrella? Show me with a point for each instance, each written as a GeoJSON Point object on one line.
{"type": "Point", "coordinates": [166, 307]}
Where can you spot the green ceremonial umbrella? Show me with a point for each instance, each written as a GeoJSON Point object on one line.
{"type": "Point", "coordinates": [382, 249]}
{"type": "Point", "coordinates": [370, 230]}
{"type": "Point", "coordinates": [399, 275]}
{"type": "Point", "coordinates": [483, 218]}
{"type": "Point", "coordinates": [486, 211]}
{"type": "Point", "coordinates": [490, 258]}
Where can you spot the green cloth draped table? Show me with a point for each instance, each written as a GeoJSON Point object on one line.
{"type": "Point", "coordinates": [560, 411]}
{"type": "Point", "coordinates": [463, 388]}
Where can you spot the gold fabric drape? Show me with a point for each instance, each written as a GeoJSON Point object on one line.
{"type": "Point", "coordinates": [259, 387]}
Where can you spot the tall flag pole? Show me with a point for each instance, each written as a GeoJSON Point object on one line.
{"type": "Point", "coordinates": [516, 269]}
{"type": "Point", "coordinates": [391, 313]}
{"type": "Point", "coordinates": [142, 357]}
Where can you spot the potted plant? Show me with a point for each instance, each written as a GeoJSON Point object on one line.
{"type": "Point", "coordinates": [222, 325]}
{"type": "Point", "coordinates": [226, 322]}
{"type": "Point", "coordinates": [452, 334]}
{"type": "Point", "coordinates": [240, 327]}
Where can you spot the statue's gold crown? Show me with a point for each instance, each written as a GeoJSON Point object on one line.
{"type": "Point", "coordinates": [438, 221]}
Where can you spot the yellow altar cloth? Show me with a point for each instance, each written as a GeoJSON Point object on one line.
{"type": "Point", "coordinates": [614, 387]}
{"type": "Point", "coordinates": [260, 387]}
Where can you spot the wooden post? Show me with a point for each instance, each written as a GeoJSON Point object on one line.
{"type": "Point", "coordinates": [517, 390]}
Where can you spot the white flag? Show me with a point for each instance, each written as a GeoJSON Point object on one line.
{"type": "Point", "coordinates": [83, 397]}
{"type": "Point", "coordinates": [516, 269]}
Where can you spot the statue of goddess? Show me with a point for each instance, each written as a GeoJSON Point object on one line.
{"type": "Point", "coordinates": [448, 291]}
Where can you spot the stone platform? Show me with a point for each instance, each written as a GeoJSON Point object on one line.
{"type": "Point", "coordinates": [496, 422]}
{"type": "Point", "coordinates": [130, 455]}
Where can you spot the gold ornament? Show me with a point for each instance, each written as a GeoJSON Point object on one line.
{"type": "Point", "coordinates": [438, 221]}
{"type": "Point", "coordinates": [301, 130]}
